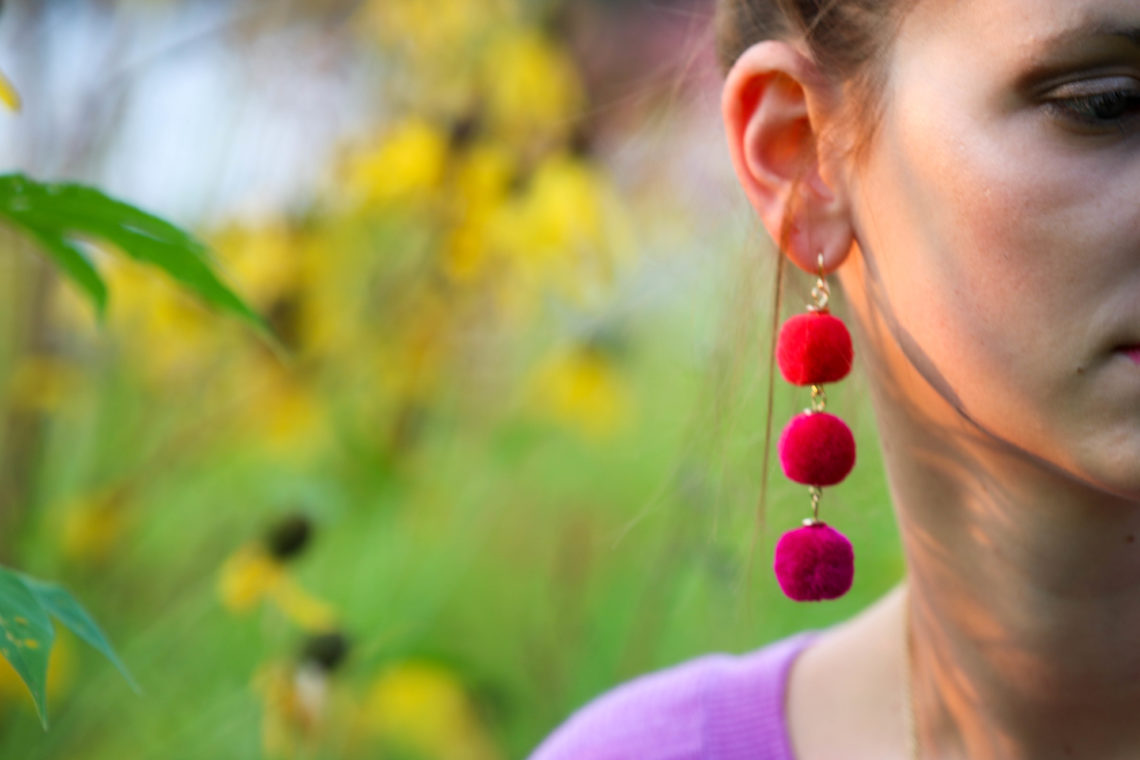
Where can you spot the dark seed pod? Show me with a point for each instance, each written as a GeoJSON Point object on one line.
{"type": "Point", "coordinates": [288, 537]}
{"type": "Point", "coordinates": [286, 320]}
{"type": "Point", "coordinates": [464, 131]}
{"type": "Point", "coordinates": [325, 650]}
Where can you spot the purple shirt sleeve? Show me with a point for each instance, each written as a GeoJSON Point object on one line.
{"type": "Point", "coordinates": [716, 707]}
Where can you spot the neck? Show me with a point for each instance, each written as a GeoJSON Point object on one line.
{"type": "Point", "coordinates": [1024, 593]}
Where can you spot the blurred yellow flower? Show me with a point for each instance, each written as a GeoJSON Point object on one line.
{"type": "Point", "coordinates": [285, 413]}
{"type": "Point", "coordinates": [308, 612]}
{"type": "Point", "coordinates": [433, 46]}
{"type": "Point", "coordinates": [405, 166]}
{"type": "Point", "coordinates": [465, 251]}
{"type": "Point", "coordinates": [164, 328]}
{"type": "Point", "coordinates": [262, 261]}
{"type": "Point", "coordinates": [93, 525]}
{"type": "Point", "coordinates": [441, 27]}
{"type": "Point", "coordinates": [565, 233]}
{"type": "Point", "coordinates": [302, 709]}
{"type": "Point", "coordinates": [247, 578]}
{"type": "Point", "coordinates": [582, 390]}
{"type": "Point", "coordinates": [289, 720]}
{"type": "Point", "coordinates": [332, 257]}
{"type": "Point", "coordinates": [296, 710]}
{"type": "Point", "coordinates": [531, 84]}
{"type": "Point", "coordinates": [483, 176]}
{"type": "Point", "coordinates": [423, 708]}
{"type": "Point", "coordinates": [566, 210]}
{"type": "Point", "coordinates": [251, 576]}
{"type": "Point", "coordinates": [8, 93]}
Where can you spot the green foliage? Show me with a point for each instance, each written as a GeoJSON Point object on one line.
{"type": "Point", "coordinates": [28, 636]}
{"type": "Point", "coordinates": [61, 605]}
{"type": "Point", "coordinates": [58, 216]}
{"type": "Point", "coordinates": [26, 608]}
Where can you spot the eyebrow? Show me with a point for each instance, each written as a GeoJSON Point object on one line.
{"type": "Point", "coordinates": [1052, 55]}
{"type": "Point", "coordinates": [1093, 29]}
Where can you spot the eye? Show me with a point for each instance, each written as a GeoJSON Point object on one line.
{"type": "Point", "coordinates": [1107, 102]}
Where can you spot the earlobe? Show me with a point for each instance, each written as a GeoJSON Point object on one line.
{"type": "Point", "coordinates": [773, 104]}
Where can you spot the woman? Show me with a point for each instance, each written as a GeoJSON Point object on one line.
{"type": "Point", "coordinates": [970, 172]}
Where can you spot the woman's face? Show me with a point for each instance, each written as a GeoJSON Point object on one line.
{"type": "Point", "coordinates": [997, 210]}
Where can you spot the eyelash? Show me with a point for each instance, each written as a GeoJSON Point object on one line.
{"type": "Point", "coordinates": [1108, 108]}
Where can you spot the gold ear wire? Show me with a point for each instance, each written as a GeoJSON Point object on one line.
{"type": "Point", "coordinates": [820, 294]}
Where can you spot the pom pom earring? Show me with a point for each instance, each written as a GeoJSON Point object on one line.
{"type": "Point", "coordinates": [817, 449]}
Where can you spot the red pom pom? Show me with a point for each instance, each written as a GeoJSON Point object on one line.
{"type": "Point", "coordinates": [813, 563]}
{"type": "Point", "coordinates": [814, 348]}
{"type": "Point", "coordinates": [817, 449]}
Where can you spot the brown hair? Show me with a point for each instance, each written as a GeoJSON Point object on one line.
{"type": "Point", "coordinates": [843, 35]}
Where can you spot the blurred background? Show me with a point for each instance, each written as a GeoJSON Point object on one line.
{"type": "Point", "coordinates": [508, 448]}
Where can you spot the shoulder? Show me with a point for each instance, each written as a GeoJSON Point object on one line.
{"type": "Point", "coordinates": [715, 707]}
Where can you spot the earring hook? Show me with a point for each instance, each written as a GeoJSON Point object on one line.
{"type": "Point", "coordinates": [820, 294]}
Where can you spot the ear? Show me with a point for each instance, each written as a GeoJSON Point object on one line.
{"type": "Point", "coordinates": [774, 103]}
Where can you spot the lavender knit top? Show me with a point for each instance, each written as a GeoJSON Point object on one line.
{"type": "Point", "coordinates": [715, 707]}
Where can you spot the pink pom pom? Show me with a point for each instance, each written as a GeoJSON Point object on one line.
{"type": "Point", "coordinates": [817, 449]}
{"type": "Point", "coordinates": [813, 563]}
{"type": "Point", "coordinates": [814, 348]}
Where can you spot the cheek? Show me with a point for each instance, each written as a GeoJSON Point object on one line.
{"type": "Point", "coordinates": [947, 262]}
{"type": "Point", "coordinates": [1006, 256]}
{"type": "Point", "coordinates": [1001, 257]}
{"type": "Point", "coordinates": [999, 252]}
{"type": "Point", "coordinates": [993, 250]}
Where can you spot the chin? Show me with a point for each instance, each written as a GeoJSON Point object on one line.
{"type": "Point", "coordinates": [1119, 475]}
{"type": "Point", "coordinates": [1107, 454]}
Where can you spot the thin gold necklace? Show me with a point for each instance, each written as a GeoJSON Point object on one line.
{"type": "Point", "coordinates": [911, 729]}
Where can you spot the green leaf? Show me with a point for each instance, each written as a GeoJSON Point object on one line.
{"type": "Point", "coordinates": [55, 215]}
{"type": "Point", "coordinates": [26, 636]}
{"type": "Point", "coordinates": [63, 606]}
{"type": "Point", "coordinates": [74, 264]}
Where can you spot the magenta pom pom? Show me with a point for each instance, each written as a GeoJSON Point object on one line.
{"type": "Point", "coordinates": [814, 348]}
{"type": "Point", "coordinates": [817, 449]}
{"type": "Point", "coordinates": [814, 563]}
